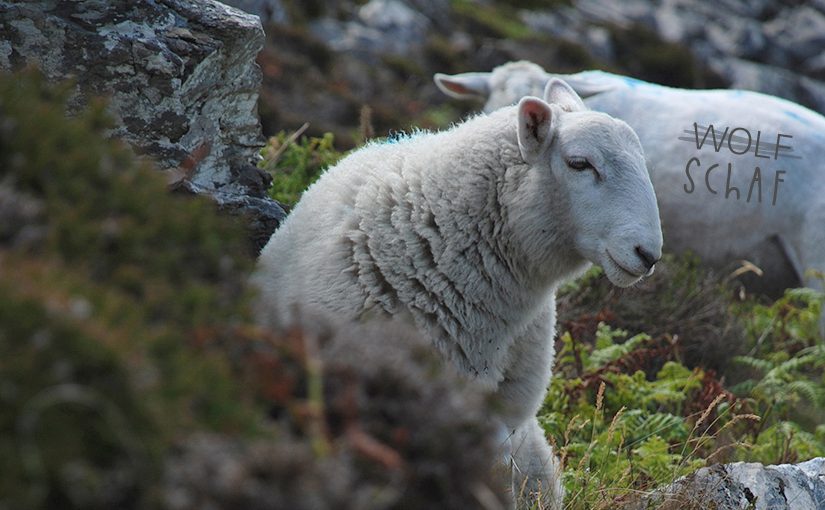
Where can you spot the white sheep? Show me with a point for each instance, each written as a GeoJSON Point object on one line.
{"type": "Point", "coordinates": [775, 219]}
{"type": "Point", "coordinates": [470, 231]}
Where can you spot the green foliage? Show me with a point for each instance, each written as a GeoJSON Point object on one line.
{"type": "Point", "coordinates": [784, 379]}
{"type": "Point", "coordinates": [790, 323]}
{"type": "Point", "coordinates": [626, 415]}
{"type": "Point", "coordinates": [108, 293]}
{"type": "Point", "coordinates": [494, 19]}
{"type": "Point", "coordinates": [296, 165]}
{"type": "Point", "coordinates": [682, 301]}
{"type": "Point", "coordinates": [618, 432]}
{"type": "Point", "coordinates": [787, 441]}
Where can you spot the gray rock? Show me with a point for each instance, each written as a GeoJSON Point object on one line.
{"type": "Point", "coordinates": [348, 36]}
{"type": "Point", "coordinates": [381, 27]}
{"type": "Point", "coordinates": [744, 486]}
{"type": "Point", "coordinates": [743, 74]}
{"type": "Point", "coordinates": [798, 33]}
{"type": "Point", "coordinates": [763, 45]}
{"type": "Point", "coordinates": [393, 16]}
{"type": "Point", "coordinates": [261, 215]}
{"type": "Point", "coordinates": [270, 11]}
{"type": "Point", "coordinates": [180, 74]}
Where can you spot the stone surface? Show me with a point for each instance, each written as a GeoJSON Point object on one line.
{"type": "Point", "coordinates": [180, 74]}
{"type": "Point", "coordinates": [745, 486]}
{"type": "Point", "coordinates": [380, 27]}
{"type": "Point", "coordinates": [767, 46]}
{"type": "Point", "coordinates": [270, 11]}
{"type": "Point", "coordinates": [261, 215]}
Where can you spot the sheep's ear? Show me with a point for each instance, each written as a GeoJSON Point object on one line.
{"type": "Point", "coordinates": [464, 86]}
{"type": "Point", "coordinates": [534, 128]}
{"type": "Point", "coordinates": [558, 92]}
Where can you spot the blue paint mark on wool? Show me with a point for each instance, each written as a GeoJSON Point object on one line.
{"type": "Point", "coordinates": [796, 117]}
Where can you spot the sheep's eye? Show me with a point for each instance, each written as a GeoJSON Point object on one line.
{"type": "Point", "coordinates": [579, 164]}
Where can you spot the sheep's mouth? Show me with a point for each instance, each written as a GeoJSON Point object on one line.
{"type": "Point", "coordinates": [621, 267]}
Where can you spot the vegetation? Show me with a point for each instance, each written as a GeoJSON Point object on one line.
{"type": "Point", "coordinates": [131, 375]}
{"type": "Point", "coordinates": [493, 20]}
{"type": "Point", "coordinates": [109, 287]}
{"type": "Point", "coordinates": [295, 162]}
{"type": "Point", "coordinates": [628, 415]}
{"type": "Point", "coordinates": [646, 56]}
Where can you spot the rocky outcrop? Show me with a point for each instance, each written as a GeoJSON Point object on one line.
{"type": "Point", "coordinates": [379, 27]}
{"type": "Point", "coordinates": [745, 486]}
{"type": "Point", "coordinates": [263, 215]}
{"type": "Point", "coordinates": [771, 47]}
{"type": "Point", "coordinates": [270, 11]}
{"type": "Point", "coordinates": [180, 76]}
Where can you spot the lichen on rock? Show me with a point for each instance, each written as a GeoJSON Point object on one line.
{"type": "Point", "coordinates": [180, 74]}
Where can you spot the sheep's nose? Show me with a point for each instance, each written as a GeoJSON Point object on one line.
{"type": "Point", "coordinates": [647, 258]}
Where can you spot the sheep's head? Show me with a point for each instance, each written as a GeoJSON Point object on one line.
{"type": "Point", "coordinates": [586, 187]}
{"type": "Point", "coordinates": [503, 86]}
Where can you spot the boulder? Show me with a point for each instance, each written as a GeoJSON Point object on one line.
{"type": "Point", "coordinates": [262, 215]}
{"type": "Point", "coordinates": [763, 45]}
{"type": "Point", "coordinates": [798, 33]}
{"type": "Point", "coordinates": [382, 26]}
{"type": "Point", "coordinates": [744, 74]}
{"type": "Point", "coordinates": [270, 11]}
{"type": "Point", "coordinates": [744, 486]}
{"type": "Point", "coordinates": [180, 76]}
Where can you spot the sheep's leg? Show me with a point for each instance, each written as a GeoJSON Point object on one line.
{"type": "Point", "coordinates": [536, 471]}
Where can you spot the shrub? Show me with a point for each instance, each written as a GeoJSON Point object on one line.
{"type": "Point", "coordinates": [682, 303]}
{"type": "Point", "coordinates": [627, 416]}
{"type": "Point", "coordinates": [295, 164]}
{"type": "Point", "coordinates": [106, 287]}
{"type": "Point", "coordinates": [132, 377]}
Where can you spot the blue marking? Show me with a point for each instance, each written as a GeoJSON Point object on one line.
{"type": "Point", "coordinates": [396, 136]}
{"type": "Point", "coordinates": [796, 116]}
{"type": "Point", "coordinates": [633, 82]}
{"type": "Point", "coordinates": [402, 136]}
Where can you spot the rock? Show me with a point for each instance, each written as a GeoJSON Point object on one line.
{"type": "Point", "coordinates": [381, 27]}
{"type": "Point", "coordinates": [270, 11]}
{"type": "Point", "coordinates": [348, 36]}
{"type": "Point", "coordinates": [744, 486]}
{"type": "Point", "coordinates": [261, 215]}
{"type": "Point", "coordinates": [754, 45]}
{"type": "Point", "coordinates": [744, 74]}
{"type": "Point", "coordinates": [798, 33]}
{"type": "Point", "coordinates": [180, 74]}
{"type": "Point", "coordinates": [394, 16]}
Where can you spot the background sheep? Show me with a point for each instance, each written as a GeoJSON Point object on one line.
{"type": "Point", "coordinates": [470, 231]}
{"type": "Point", "coordinates": [784, 239]}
